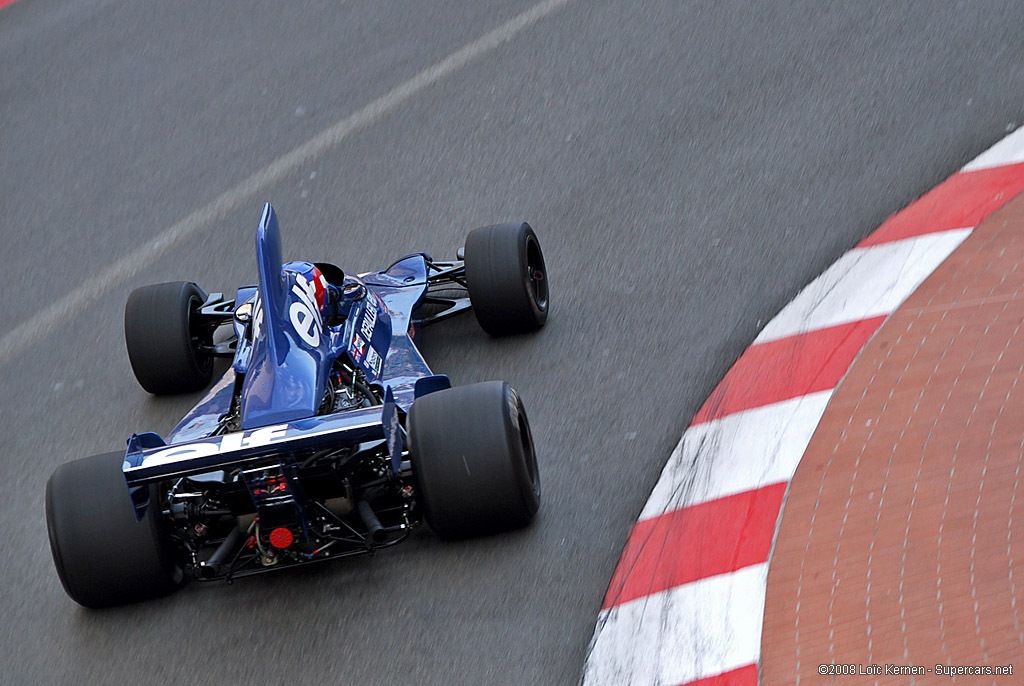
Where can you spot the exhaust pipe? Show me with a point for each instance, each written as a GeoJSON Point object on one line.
{"type": "Point", "coordinates": [375, 532]}
{"type": "Point", "coordinates": [231, 545]}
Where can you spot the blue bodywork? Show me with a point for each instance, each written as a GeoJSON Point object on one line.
{"type": "Point", "coordinates": [284, 355]}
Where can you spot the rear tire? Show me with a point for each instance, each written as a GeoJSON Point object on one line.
{"type": "Point", "coordinates": [507, 278]}
{"type": "Point", "coordinates": [473, 460]}
{"type": "Point", "coordinates": [104, 556]}
{"type": "Point", "coordinates": [162, 333]}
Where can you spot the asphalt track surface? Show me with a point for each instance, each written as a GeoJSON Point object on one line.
{"type": "Point", "coordinates": [689, 166]}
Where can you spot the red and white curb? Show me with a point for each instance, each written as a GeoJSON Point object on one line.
{"type": "Point", "coordinates": [686, 602]}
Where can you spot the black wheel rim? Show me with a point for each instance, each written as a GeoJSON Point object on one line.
{"type": "Point", "coordinates": [536, 274]}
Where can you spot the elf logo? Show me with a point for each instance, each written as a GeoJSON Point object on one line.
{"type": "Point", "coordinates": [256, 438]}
{"type": "Point", "coordinates": [303, 312]}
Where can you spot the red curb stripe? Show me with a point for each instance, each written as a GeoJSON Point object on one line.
{"type": "Point", "coordinates": [961, 201]}
{"type": "Point", "coordinates": [744, 676]}
{"type": "Point", "coordinates": [788, 368]}
{"type": "Point", "coordinates": [696, 542]}
{"type": "Point", "coordinates": [4, 3]}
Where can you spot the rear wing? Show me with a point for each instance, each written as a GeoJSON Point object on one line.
{"type": "Point", "coordinates": [146, 461]}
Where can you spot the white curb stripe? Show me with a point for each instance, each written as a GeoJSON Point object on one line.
{"type": "Point", "coordinates": [864, 283]}
{"type": "Point", "coordinates": [1008, 151]}
{"type": "Point", "coordinates": [689, 632]}
{"type": "Point", "coordinates": [737, 453]}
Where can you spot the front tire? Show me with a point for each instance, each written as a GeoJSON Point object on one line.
{"type": "Point", "coordinates": [507, 278]}
{"type": "Point", "coordinates": [104, 557]}
{"type": "Point", "coordinates": [163, 333]}
{"type": "Point", "coordinates": [473, 460]}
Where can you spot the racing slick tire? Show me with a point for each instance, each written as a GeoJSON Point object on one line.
{"type": "Point", "coordinates": [507, 279]}
{"type": "Point", "coordinates": [473, 460]}
{"type": "Point", "coordinates": [104, 557]}
{"type": "Point", "coordinates": [163, 334]}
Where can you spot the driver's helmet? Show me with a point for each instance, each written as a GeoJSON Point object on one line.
{"type": "Point", "coordinates": [310, 279]}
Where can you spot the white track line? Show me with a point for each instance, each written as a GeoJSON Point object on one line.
{"type": "Point", "coordinates": [741, 452]}
{"type": "Point", "coordinates": [677, 636]}
{"type": "Point", "coordinates": [126, 267]}
{"type": "Point", "coordinates": [864, 283]}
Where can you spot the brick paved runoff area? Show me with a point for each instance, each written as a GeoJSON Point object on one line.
{"type": "Point", "coordinates": [901, 544]}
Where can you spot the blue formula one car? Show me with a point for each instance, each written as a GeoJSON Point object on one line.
{"type": "Point", "coordinates": [328, 436]}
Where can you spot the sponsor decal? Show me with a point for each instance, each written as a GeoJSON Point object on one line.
{"type": "Point", "coordinates": [358, 348]}
{"type": "Point", "coordinates": [373, 361]}
{"type": "Point", "coordinates": [256, 438]}
{"type": "Point", "coordinates": [304, 312]}
{"type": "Point", "coordinates": [369, 320]}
